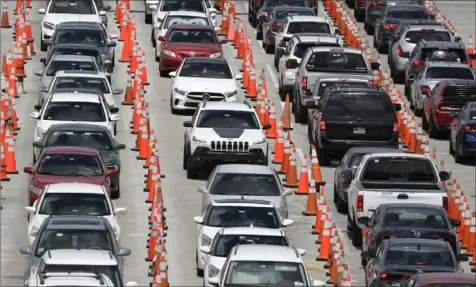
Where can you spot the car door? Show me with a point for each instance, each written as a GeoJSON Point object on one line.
{"type": "Point", "coordinates": [373, 264]}
{"type": "Point", "coordinates": [456, 126]}
{"type": "Point", "coordinates": [371, 230]}
{"type": "Point", "coordinates": [427, 101]}
{"type": "Point", "coordinates": [338, 172]}
{"type": "Point", "coordinates": [415, 87]}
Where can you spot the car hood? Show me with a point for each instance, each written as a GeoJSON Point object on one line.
{"type": "Point", "coordinates": [40, 180]}
{"type": "Point", "coordinates": [408, 232]}
{"type": "Point", "coordinates": [412, 269]}
{"type": "Point", "coordinates": [230, 133]}
{"type": "Point", "coordinates": [59, 18]}
{"type": "Point", "coordinates": [206, 84]}
{"type": "Point", "coordinates": [276, 200]}
{"type": "Point", "coordinates": [182, 47]}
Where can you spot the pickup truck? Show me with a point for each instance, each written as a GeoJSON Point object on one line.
{"type": "Point", "coordinates": [391, 178]}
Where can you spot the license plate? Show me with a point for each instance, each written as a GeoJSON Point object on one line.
{"type": "Point", "coordinates": [359, 131]}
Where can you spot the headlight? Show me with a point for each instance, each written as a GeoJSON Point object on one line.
{"type": "Point", "coordinates": [48, 25]}
{"type": "Point", "coordinates": [35, 189]}
{"type": "Point", "coordinates": [34, 231]}
{"type": "Point", "coordinates": [205, 240]}
{"type": "Point", "coordinates": [169, 53]}
{"type": "Point", "coordinates": [180, 92]}
{"type": "Point", "coordinates": [231, 94]}
{"type": "Point", "coordinates": [213, 271]}
{"type": "Point", "coordinates": [261, 141]}
{"type": "Point", "coordinates": [198, 140]}
{"type": "Point", "coordinates": [40, 132]}
{"type": "Point", "coordinates": [215, 55]}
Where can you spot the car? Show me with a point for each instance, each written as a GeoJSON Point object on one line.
{"type": "Point", "coordinates": [444, 103]}
{"type": "Point", "coordinates": [227, 238]}
{"type": "Point", "coordinates": [351, 160]}
{"type": "Point", "coordinates": [259, 10]}
{"type": "Point", "coordinates": [433, 51]}
{"type": "Point", "coordinates": [431, 74]}
{"type": "Point", "coordinates": [98, 81]}
{"type": "Point", "coordinates": [274, 21]}
{"type": "Point", "coordinates": [202, 78]}
{"type": "Point", "coordinates": [75, 279]}
{"type": "Point", "coordinates": [79, 260]}
{"type": "Point", "coordinates": [73, 107]}
{"type": "Point", "coordinates": [223, 132]}
{"type": "Point", "coordinates": [249, 265]}
{"type": "Point", "coordinates": [58, 11]}
{"type": "Point", "coordinates": [390, 16]}
{"type": "Point", "coordinates": [231, 181]}
{"type": "Point", "coordinates": [400, 258]}
{"type": "Point", "coordinates": [234, 213]}
{"type": "Point", "coordinates": [71, 232]}
{"type": "Point", "coordinates": [73, 198]}
{"type": "Point", "coordinates": [182, 41]}
{"type": "Point", "coordinates": [174, 18]}
{"type": "Point", "coordinates": [162, 7]}
{"type": "Point", "coordinates": [76, 49]}
{"type": "Point", "coordinates": [373, 8]}
{"type": "Point", "coordinates": [462, 140]}
{"type": "Point", "coordinates": [441, 279]}
{"type": "Point", "coordinates": [348, 117]}
{"type": "Point", "coordinates": [101, 7]}
{"type": "Point", "coordinates": [405, 40]}
{"type": "Point", "coordinates": [66, 164]}
{"type": "Point", "coordinates": [289, 54]}
{"type": "Point", "coordinates": [391, 178]}
{"type": "Point", "coordinates": [87, 33]}
{"type": "Point", "coordinates": [408, 220]}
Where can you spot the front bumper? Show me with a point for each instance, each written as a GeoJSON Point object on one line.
{"type": "Point", "coordinates": [168, 63]}
{"type": "Point", "coordinates": [32, 197]}
{"type": "Point", "coordinates": [46, 33]}
{"type": "Point", "coordinates": [183, 102]}
{"type": "Point", "coordinates": [203, 155]}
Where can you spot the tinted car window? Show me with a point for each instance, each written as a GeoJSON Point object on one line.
{"type": "Point", "coordinates": [406, 169]}
{"type": "Point", "coordinates": [449, 73]}
{"type": "Point", "coordinates": [337, 61]}
{"type": "Point", "coordinates": [416, 36]}
{"type": "Point", "coordinates": [472, 115]}
{"type": "Point", "coordinates": [74, 204]}
{"type": "Point", "coordinates": [69, 51]}
{"type": "Point", "coordinates": [415, 218]}
{"type": "Point", "coordinates": [252, 273]}
{"type": "Point", "coordinates": [110, 271]}
{"type": "Point", "coordinates": [76, 36]}
{"type": "Point", "coordinates": [80, 82]}
{"type": "Point", "coordinates": [72, 7]}
{"type": "Point", "coordinates": [96, 140]}
{"type": "Point", "coordinates": [355, 159]}
{"type": "Point", "coordinates": [444, 55]}
{"type": "Point", "coordinates": [281, 15]}
{"type": "Point", "coordinates": [192, 36]}
{"type": "Point", "coordinates": [451, 284]}
{"type": "Point", "coordinates": [245, 184]}
{"type": "Point", "coordinates": [227, 242]}
{"type": "Point", "coordinates": [359, 105]}
{"type": "Point", "coordinates": [188, 5]}
{"type": "Point", "coordinates": [242, 216]}
{"type": "Point", "coordinates": [70, 164]}
{"type": "Point", "coordinates": [56, 66]}
{"type": "Point", "coordinates": [407, 14]}
{"type": "Point", "coordinates": [70, 111]}
{"type": "Point", "coordinates": [421, 255]}
{"type": "Point", "coordinates": [185, 20]}
{"type": "Point", "coordinates": [274, 3]}
{"type": "Point", "coordinates": [227, 119]}
{"type": "Point", "coordinates": [206, 70]}
{"type": "Point", "coordinates": [323, 85]}
{"type": "Point", "coordinates": [302, 47]}
{"type": "Point", "coordinates": [309, 27]}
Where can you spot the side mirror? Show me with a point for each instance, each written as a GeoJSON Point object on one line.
{"type": "Point", "coordinates": [173, 74]}
{"type": "Point", "coordinates": [397, 107]}
{"type": "Point", "coordinates": [114, 110]}
{"type": "Point", "coordinates": [205, 249]}
{"type": "Point", "coordinates": [117, 91]}
{"type": "Point", "coordinates": [213, 281]}
{"type": "Point", "coordinates": [102, 13]}
{"type": "Point", "coordinates": [161, 38]}
{"type": "Point", "coordinates": [113, 36]}
{"type": "Point", "coordinates": [111, 44]}
{"type": "Point", "coordinates": [202, 189]}
{"type": "Point", "coordinates": [131, 284]}
{"type": "Point", "coordinates": [30, 209]}
{"type": "Point", "coordinates": [223, 41]}
{"type": "Point", "coordinates": [287, 222]}
{"type": "Point", "coordinates": [44, 89]}
{"type": "Point", "coordinates": [107, 62]}
{"type": "Point", "coordinates": [311, 105]}
{"type": "Point", "coordinates": [292, 63]}
{"type": "Point", "coordinates": [301, 252]}
{"type": "Point", "coordinates": [25, 250]}
{"type": "Point", "coordinates": [120, 210]}
{"type": "Point", "coordinates": [455, 222]}
{"type": "Point", "coordinates": [432, 17]}
{"type": "Point", "coordinates": [42, 11]}
{"type": "Point", "coordinates": [411, 77]}
{"type": "Point", "coordinates": [239, 76]}
{"type": "Point", "coordinates": [218, 29]}
{"type": "Point", "coordinates": [366, 255]}
{"type": "Point", "coordinates": [124, 252]}
{"type": "Point", "coordinates": [153, 7]}
{"type": "Point", "coordinates": [266, 126]}
{"type": "Point", "coordinates": [212, 10]}
{"type": "Point", "coordinates": [111, 172]}
{"type": "Point", "coordinates": [35, 115]}
{"type": "Point", "coordinates": [374, 66]}
{"type": "Point", "coordinates": [457, 39]}
{"type": "Point", "coordinates": [288, 193]}
{"type": "Point", "coordinates": [347, 174]}
{"type": "Point", "coordinates": [198, 219]}
{"type": "Point", "coordinates": [28, 169]}
{"type": "Point", "coordinates": [187, 124]}
{"type": "Point", "coordinates": [363, 220]}
{"type": "Point", "coordinates": [282, 44]}
{"type": "Point", "coordinates": [37, 145]}
{"type": "Point", "coordinates": [444, 175]}
{"type": "Point", "coordinates": [115, 118]}
{"type": "Point", "coordinates": [120, 146]}
{"type": "Point", "coordinates": [462, 257]}
{"type": "Point", "coordinates": [39, 73]}
{"type": "Point", "coordinates": [43, 60]}
{"type": "Point", "coordinates": [107, 8]}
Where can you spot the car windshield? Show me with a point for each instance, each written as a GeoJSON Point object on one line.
{"type": "Point", "coordinates": [224, 243]}
{"type": "Point", "coordinates": [242, 216]}
{"type": "Point", "coordinates": [52, 239]}
{"type": "Point", "coordinates": [74, 112]}
{"type": "Point", "coordinates": [274, 3]}
{"type": "Point", "coordinates": [359, 105]}
{"type": "Point", "coordinates": [444, 55]}
{"type": "Point", "coordinates": [337, 62]}
{"type": "Point", "coordinates": [399, 168]}
{"type": "Point", "coordinates": [449, 73]}
{"type": "Point", "coordinates": [283, 14]}
{"type": "Point", "coordinates": [407, 14]}
{"type": "Point", "coordinates": [217, 70]}
{"type": "Point", "coordinates": [419, 255]}
{"type": "Point", "coordinates": [99, 140]}
{"type": "Point", "coordinates": [355, 160]}
{"type": "Point", "coordinates": [70, 165]}
{"type": "Point", "coordinates": [302, 47]}
{"type": "Point", "coordinates": [98, 84]}
{"type": "Point", "coordinates": [70, 51]}
{"type": "Point", "coordinates": [111, 271]}
{"type": "Point", "coordinates": [265, 273]}
{"type": "Point", "coordinates": [326, 84]}
{"type": "Point", "coordinates": [83, 7]}
{"type": "Point", "coordinates": [74, 204]}
{"type": "Point", "coordinates": [203, 36]}
{"type": "Point", "coordinates": [245, 184]}
{"type": "Point", "coordinates": [182, 20]}
{"type": "Point", "coordinates": [415, 218]}
{"type": "Point", "coordinates": [309, 27]}
{"type": "Point", "coordinates": [56, 66]}
{"type": "Point", "coordinates": [451, 285]}
{"type": "Point", "coordinates": [188, 5]}
{"type": "Point", "coordinates": [76, 36]}
{"type": "Point", "coordinates": [228, 120]}
{"type": "Point", "coordinates": [416, 36]}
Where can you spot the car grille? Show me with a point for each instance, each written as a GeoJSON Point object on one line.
{"type": "Point", "coordinates": [239, 146]}
{"type": "Point", "coordinates": [214, 97]}
{"type": "Point", "coordinates": [185, 55]}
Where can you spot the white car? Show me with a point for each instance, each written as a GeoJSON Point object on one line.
{"type": "Point", "coordinates": [162, 7]}
{"type": "Point", "coordinates": [234, 213]}
{"type": "Point", "coordinates": [59, 11]}
{"type": "Point", "coordinates": [202, 78]}
{"type": "Point", "coordinates": [227, 238]}
{"type": "Point", "coordinates": [160, 28]}
{"type": "Point", "coordinates": [82, 108]}
{"type": "Point", "coordinates": [74, 279]}
{"type": "Point", "coordinates": [77, 193]}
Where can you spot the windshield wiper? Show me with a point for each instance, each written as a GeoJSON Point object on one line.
{"type": "Point", "coordinates": [79, 174]}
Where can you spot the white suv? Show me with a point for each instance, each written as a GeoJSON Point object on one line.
{"type": "Point", "coordinates": [74, 279]}
{"type": "Point", "coordinates": [223, 132]}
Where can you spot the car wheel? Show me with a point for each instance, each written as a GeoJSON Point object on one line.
{"type": "Point", "coordinates": [368, 29]}
{"type": "Point", "coordinates": [276, 63]}
{"type": "Point", "coordinates": [450, 146]}
{"type": "Point", "coordinates": [192, 172]}
{"type": "Point", "coordinates": [282, 93]}
{"type": "Point", "coordinates": [375, 43]}
{"type": "Point", "coordinates": [416, 111]}
{"type": "Point", "coordinates": [34, 157]}
{"type": "Point", "coordinates": [163, 74]}
{"type": "Point", "coordinates": [152, 38]}
{"type": "Point", "coordinates": [366, 280]}
{"type": "Point", "coordinates": [360, 17]}
{"type": "Point", "coordinates": [117, 193]}
{"type": "Point", "coordinates": [356, 234]}
{"type": "Point", "coordinates": [323, 156]}
{"type": "Point", "coordinates": [259, 34]}
{"type": "Point", "coordinates": [184, 158]}
{"type": "Point", "coordinates": [199, 271]}
{"type": "Point", "coordinates": [263, 44]}
{"type": "Point", "coordinates": [398, 77]}
{"type": "Point", "coordinates": [424, 122]}
{"type": "Point", "coordinates": [269, 49]}
{"type": "Point", "coordinates": [148, 18]}
{"type": "Point", "coordinates": [43, 46]}
{"type": "Point", "coordinates": [115, 128]}
{"type": "Point", "coordinates": [253, 21]}
{"type": "Point", "coordinates": [458, 154]}
{"type": "Point", "coordinates": [300, 115]}
{"type": "Point", "coordinates": [381, 49]}
{"type": "Point", "coordinates": [434, 131]}
{"type": "Point", "coordinates": [334, 199]}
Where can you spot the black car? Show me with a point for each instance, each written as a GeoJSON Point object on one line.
{"type": "Point", "coordinates": [398, 259]}
{"type": "Point", "coordinates": [390, 17]}
{"type": "Point", "coordinates": [259, 9]}
{"type": "Point", "coordinates": [352, 116]}
{"type": "Point", "coordinates": [373, 9]}
{"type": "Point", "coordinates": [463, 133]}
{"type": "Point", "coordinates": [408, 220]}
{"type": "Point", "coordinates": [86, 135]}
{"type": "Point", "coordinates": [75, 49]}
{"type": "Point", "coordinates": [351, 160]}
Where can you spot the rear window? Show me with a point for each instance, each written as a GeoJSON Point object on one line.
{"type": "Point", "coordinates": [360, 105]}
{"type": "Point", "coordinates": [70, 51]}
{"type": "Point", "coordinates": [415, 218]}
{"type": "Point", "coordinates": [187, 5]}
{"type": "Point", "coordinates": [399, 169]}
{"type": "Point", "coordinates": [415, 36]}
{"type": "Point", "coordinates": [408, 14]}
{"type": "Point", "coordinates": [225, 243]}
{"type": "Point", "coordinates": [309, 27]}
{"type": "Point", "coordinates": [83, 7]}
{"type": "Point", "coordinates": [336, 61]}
{"type": "Point", "coordinates": [444, 54]}
{"type": "Point", "coordinates": [449, 73]}
{"type": "Point", "coordinates": [301, 48]}
{"type": "Point", "coordinates": [323, 85]}
{"type": "Point", "coordinates": [185, 20]}
{"type": "Point", "coordinates": [460, 91]}
{"type": "Point", "coordinates": [274, 3]}
{"type": "Point", "coordinates": [451, 285]}
{"type": "Point", "coordinates": [280, 15]}
{"type": "Point", "coordinates": [242, 216]}
{"type": "Point", "coordinates": [472, 115]}
{"type": "Point", "coordinates": [98, 84]}
{"type": "Point", "coordinates": [419, 255]}
{"type": "Point", "coordinates": [245, 184]}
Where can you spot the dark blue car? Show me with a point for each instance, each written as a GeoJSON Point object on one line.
{"type": "Point", "coordinates": [463, 133]}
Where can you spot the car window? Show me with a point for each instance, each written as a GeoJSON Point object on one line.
{"type": "Point", "coordinates": [419, 255]}
{"type": "Point", "coordinates": [111, 271]}
{"type": "Point", "coordinates": [415, 36]}
{"type": "Point", "coordinates": [77, 36]}
{"type": "Point", "coordinates": [70, 165]}
{"type": "Point", "coordinates": [72, 7]}
{"type": "Point", "coordinates": [74, 204]}
{"type": "Point", "coordinates": [187, 5]}
{"type": "Point", "coordinates": [192, 36]}
{"type": "Point", "coordinates": [96, 140]}
{"type": "Point", "coordinates": [227, 119]}
{"type": "Point", "coordinates": [242, 216]}
{"type": "Point", "coordinates": [254, 273]}
{"type": "Point", "coordinates": [274, 3]}
{"type": "Point", "coordinates": [226, 242]}
{"type": "Point", "coordinates": [449, 73]}
{"type": "Point", "coordinates": [399, 168]}
{"type": "Point", "coordinates": [185, 20]}
{"type": "Point", "coordinates": [69, 51]}
{"type": "Point", "coordinates": [206, 70]}
{"type": "Point", "coordinates": [408, 14]}
{"type": "Point", "coordinates": [360, 105]}
{"type": "Point", "coordinates": [74, 111]}
{"type": "Point", "coordinates": [99, 84]}
{"type": "Point", "coordinates": [450, 284]}
{"type": "Point", "coordinates": [336, 62]}
{"type": "Point", "coordinates": [355, 159]}
{"type": "Point", "coordinates": [444, 54]}
{"type": "Point", "coordinates": [283, 14]}
{"type": "Point", "coordinates": [56, 66]}
{"type": "Point", "coordinates": [245, 184]}
{"type": "Point", "coordinates": [326, 84]}
{"type": "Point", "coordinates": [309, 27]}
{"type": "Point", "coordinates": [415, 218]}
{"type": "Point", "coordinates": [302, 47]}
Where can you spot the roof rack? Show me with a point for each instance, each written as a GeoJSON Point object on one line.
{"type": "Point", "coordinates": [96, 275]}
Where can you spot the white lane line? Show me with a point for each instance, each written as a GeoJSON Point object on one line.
{"type": "Point", "coordinates": [272, 76]}
{"type": "Point", "coordinates": [300, 154]}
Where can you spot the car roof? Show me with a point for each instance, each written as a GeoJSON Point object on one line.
{"type": "Point", "coordinates": [252, 231]}
{"type": "Point", "coordinates": [291, 8]}
{"type": "Point", "coordinates": [436, 26]}
{"type": "Point", "coordinates": [70, 150]}
{"type": "Point", "coordinates": [446, 277]}
{"type": "Point", "coordinates": [206, 60]}
{"type": "Point", "coordinates": [75, 47]}
{"type": "Point", "coordinates": [79, 257]}
{"type": "Point", "coordinates": [415, 241]}
{"type": "Point", "coordinates": [78, 58]}
{"type": "Point", "coordinates": [242, 202]}
{"type": "Point", "coordinates": [76, 222]}
{"type": "Point", "coordinates": [244, 169]}
{"type": "Point", "coordinates": [308, 18]}
{"type": "Point", "coordinates": [75, 279]}
{"type": "Point", "coordinates": [411, 205]}
{"type": "Point", "coordinates": [398, 154]}
{"type": "Point", "coordinates": [436, 44]}
{"type": "Point", "coordinates": [75, 97]}
{"type": "Point", "coordinates": [74, 187]}
{"type": "Point", "coordinates": [82, 74]}
{"type": "Point", "coordinates": [336, 49]}
{"type": "Point", "coordinates": [78, 127]}
{"type": "Point", "coordinates": [227, 106]}
{"type": "Point", "coordinates": [316, 37]}
{"type": "Point", "coordinates": [373, 150]}
{"type": "Point", "coordinates": [405, 6]}
{"type": "Point", "coordinates": [192, 26]}
{"type": "Point", "coordinates": [187, 13]}
{"type": "Point", "coordinates": [448, 64]}
{"type": "Point", "coordinates": [79, 25]}
{"type": "Point", "coordinates": [259, 252]}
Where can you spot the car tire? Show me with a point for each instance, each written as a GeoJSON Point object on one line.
{"type": "Point", "coordinates": [282, 93]}
{"type": "Point", "coordinates": [398, 77]}
{"type": "Point", "coordinates": [424, 122]}
{"type": "Point", "coordinates": [269, 49]}
{"type": "Point", "coordinates": [381, 49]}
{"type": "Point", "coordinates": [417, 112]}
{"type": "Point", "coordinates": [368, 29]}
{"type": "Point", "coordinates": [116, 194]}
{"type": "Point", "coordinates": [360, 16]}
{"type": "Point", "coordinates": [259, 35]}
{"type": "Point", "coordinates": [43, 46]}
{"type": "Point", "coordinates": [152, 38]}
{"type": "Point", "coordinates": [148, 18]}
{"type": "Point", "coordinates": [323, 157]}
{"type": "Point", "coordinates": [253, 21]}
{"type": "Point", "coordinates": [341, 205]}
{"type": "Point", "coordinates": [199, 271]}
{"type": "Point", "coordinates": [356, 234]}
{"type": "Point", "coordinates": [173, 110]}
{"type": "Point", "coordinates": [458, 155]}
{"type": "Point", "coordinates": [192, 172]}
{"type": "Point", "coordinates": [451, 149]}
{"type": "Point", "coordinates": [115, 128]}
{"type": "Point", "coordinates": [163, 74]}
{"type": "Point", "coordinates": [300, 115]}
{"type": "Point", "coordinates": [184, 158]}
{"type": "Point", "coordinates": [434, 131]}
{"type": "Point", "coordinates": [34, 157]}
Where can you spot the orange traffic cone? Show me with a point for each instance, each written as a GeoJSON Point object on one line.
{"type": "Point", "coordinates": [291, 173]}
{"type": "Point", "coordinates": [279, 145]}
{"type": "Point", "coordinates": [303, 187]}
{"type": "Point", "coordinates": [326, 241]}
{"type": "Point", "coordinates": [287, 114]}
{"type": "Point", "coordinates": [9, 148]}
{"type": "Point", "coordinates": [252, 93]}
{"type": "Point", "coordinates": [286, 157]}
{"type": "Point", "coordinates": [128, 95]}
{"type": "Point", "coordinates": [143, 143]}
{"type": "Point", "coordinates": [315, 167]}
{"type": "Point", "coordinates": [5, 21]}
{"type": "Point", "coordinates": [311, 204]}
{"type": "Point", "coordinates": [271, 132]}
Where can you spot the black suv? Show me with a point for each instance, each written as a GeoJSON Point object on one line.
{"type": "Point", "coordinates": [346, 117]}
{"type": "Point", "coordinates": [258, 10]}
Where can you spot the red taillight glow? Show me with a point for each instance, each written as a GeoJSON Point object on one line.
{"type": "Point", "coordinates": [360, 203]}
{"type": "Point", "coordinates": [346, 181]}
{"type": "Point", "coordinates": [275, 25]}
{"type": "Point", "coordinates": [445, 203]}
{"type": "Point", "coordinates": [468, 128]}
{"type": "Point", "coordinates": [444, 108]}
{"type": "Point", "coordinates": [390, 26]}
{"type": "Point", "coordinates": [383, 275]}
{"type": "Point", "coordinates": [466, 62]}
{"type": "Point", "coordinates": [418, 63]}
{"type": "Point", "coordinates": [399, 51]}
{"type": "Point", "coordinates": [322, 124]}
{"type": "Point", "coordinates": [375, 2]}
{"type": "Point", "coordinates": [425, 89]}
{"type": "Point", "coordinates": [304, 83]}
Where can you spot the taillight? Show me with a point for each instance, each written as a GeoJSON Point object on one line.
{"type": "Point", "coordinates": [288, 65]}
{"type": "Point", "coordinates": [275, 25]}
{"type": "Point", "coordinates": [399, 51]}
{"type": "Point", "coordinates": [468, 128]}
{"type": "Point", "coordinates": [395, 126]}
{"type": "Point", "coordinates": [445, 203]}
{"type": "Point", "coordinates": [390, 26]}
{"type": "Point", "coordinates": [360, 203]}
{"type": "Point", "coordinates": [425, 89]}
{"type": "Point", "coordinates": [322, 124]}
{"type": "Point", "coordinates": [444, 108]}
{"type": "Point", "coordinates": [383, 276]}
{"type": "Point", "coordinates": [304, 83]}
{"type": "Point", "coordinates": [418, 63]}
{"type": "Point", "coordinates": [396, 36]}
{"type": "Point", "coordinates": [466, 62]}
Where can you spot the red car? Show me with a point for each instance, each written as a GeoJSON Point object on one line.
{"type": "Point", "coordinates": [66, 164]}
{"type": "Point", "coordinates": [182, 41]}
{"type": "Point", "coordinates": [442, 279]}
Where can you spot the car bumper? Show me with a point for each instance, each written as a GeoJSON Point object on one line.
{"type": "Point", "coordinates": [201, 259]}
{"type": "Point", "coordinates": [203, 155]}
{"type": "Point", "coordinates": [342, 146]}
{"type": "Point", "coordinates": [385, 38]}
{"type": "Point", "coordinates": [149, 11]}
{"type": "Point", "coordinates": [289, 78]}
{"type": "Point", "coordinates": [46, 33]}
{"type": "Point", "coordinates": [270, 39]}
{"type": "Point", "coordinates": [32, 197]}
{"type": "Point", "coordinates": [168, 63]}
{"type": "Point", "coordinates": [182, 102]}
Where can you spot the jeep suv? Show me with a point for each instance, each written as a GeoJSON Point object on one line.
{"type": "Point", "coordinates": [223, 132]}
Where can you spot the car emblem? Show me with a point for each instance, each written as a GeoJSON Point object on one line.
{"type": "Point", "coordinates": [206, 97]}
{"type": "Point", "coordinates": [417, 234]}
